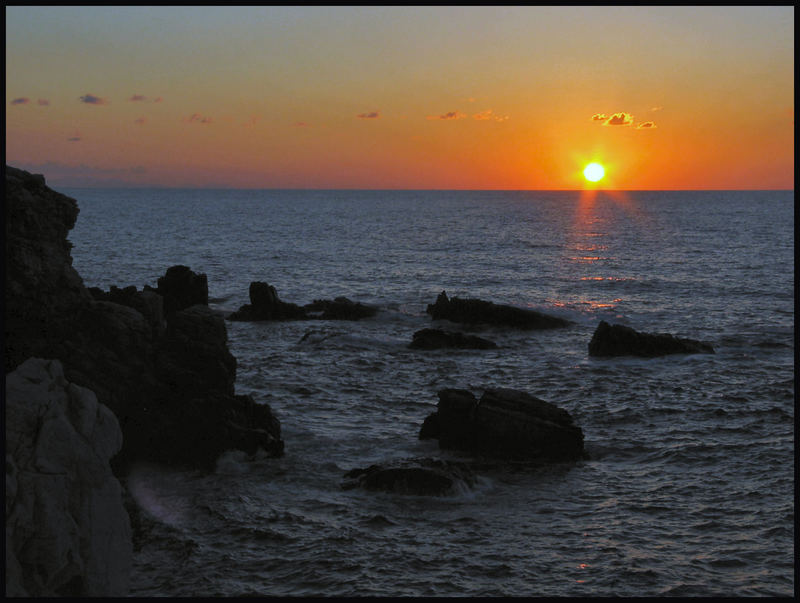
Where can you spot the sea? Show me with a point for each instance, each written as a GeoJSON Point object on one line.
{"type": "Point", "coordinates": [688, 484]}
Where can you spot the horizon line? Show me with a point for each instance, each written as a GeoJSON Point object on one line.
{"type": "Point", "coordinates": [366, 189]}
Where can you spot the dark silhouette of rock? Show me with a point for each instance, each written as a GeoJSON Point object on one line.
{"type": "Point", "coordinates": [420, 477]}
{"type": "Point", "coordinates": [476, 311]}
{"type": "Point", "coordinates": [167, 375]}
{"type": "Point", "coordinates": [619, 340]}
{"type": "Point", "coordinates": [265, 305]}
{"type": "Point", "coordinates": [504, 423]}
{"type": "Point", "coordinates": [339, 308]}
{"type": "Point", "coordinates": [41, 284]}
{"type": "Point", "coordinates": [434, 339]}
{"type": "Point", "coordinates": [181, 287]}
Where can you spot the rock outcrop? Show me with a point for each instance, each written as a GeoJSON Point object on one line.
{"type": "Point", "coordinates": [42, 287]}
{"type": "Point", "coordinates": [265, 305]}
{"type": "Point", "coordinates": [339, 308]}
{"type": "Point", "coordinates": [434, 339]}
{"type": "Point", "coordinates": [477, 311]}
{"type": "Point", "coordinates": [419, 477]}
{"type": "Point", "coordinates": [67, 531]}
{"type": "Point", "coordinates": [504, 423]}
{"type": "Point", "coordinates": [619, 340]}
{"type": "Point", "coordinates": [158, 358]}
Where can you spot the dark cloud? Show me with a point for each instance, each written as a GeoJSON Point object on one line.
{"type": "Point", "coordinates": [199, 119]}
{"type": "Point", "coordinates": [138, 98]}
{"type": "Point", "coordinates": [448, 115]}
{"type": "Point", "coordinates": [43, 102]}
{"type": "Point", "coordinates": [370, 115]}
{"type": "Point", "coordinates": [23, 100]}
{"type": "Point", "coordinates": [646, 124]}
{"type": "Point", "coordinates": [91, 99]}
{"type": "Point", "coordinates": [74, 138]}
{"type": "Point", "coordinates": [139, 121]}
{"type": "Point", "coordinates": [619, 119]}
{"type": "Point", "coordinates": [300, 124]}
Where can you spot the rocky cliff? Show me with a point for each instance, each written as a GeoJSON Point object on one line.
{"type": "Point", "coordinates": [158, 358]}
{"type": "Point", "coordinates": [67, 532]}
{"type": "Point", "coordinates": [157, 361]}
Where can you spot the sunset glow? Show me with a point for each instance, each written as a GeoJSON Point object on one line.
{"type": "Point", "coordinates": [594, 172]}
{"type": "Point", "coordinates": [402, 97]}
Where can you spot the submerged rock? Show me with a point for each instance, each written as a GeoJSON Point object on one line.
{"type": "Point", "coordinates": [476, 311]}
{"type": "Point", "coordinates": [619, 340]}
{"type": "Point", "coordinates": [433, 339]}
{"type": "Point", "coordinates": [504, 423]}
{"type": "Point", "coordinates": [420, 477]}
{"type": "Point", "coordinates": [67, 531]}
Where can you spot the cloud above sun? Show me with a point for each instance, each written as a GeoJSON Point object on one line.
{"type": "Point", "coordinates": [488, 114]}
{"type": "Point", "coordinates": [619, 119]}
{"type": "Point", "coordinates": [623, 119]}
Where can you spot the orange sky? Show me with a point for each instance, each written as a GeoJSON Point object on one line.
{"type": "Point", "coordinates": [402, 97]}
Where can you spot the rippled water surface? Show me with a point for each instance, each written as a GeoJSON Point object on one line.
{"type": "Point", "coordinates": [688, 488]}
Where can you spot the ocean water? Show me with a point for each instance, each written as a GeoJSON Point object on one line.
{"type": "Point", "coordinates": [689, 485]}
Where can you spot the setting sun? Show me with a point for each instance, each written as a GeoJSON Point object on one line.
{"type": "Point", "coordinates": [594, 172]}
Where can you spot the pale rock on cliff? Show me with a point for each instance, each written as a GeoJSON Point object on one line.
{"type": "Point", "coordinates": [67, 532]}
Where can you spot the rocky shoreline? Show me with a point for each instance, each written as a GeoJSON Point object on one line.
{"type": "Point", "coordinates": [98, 380]}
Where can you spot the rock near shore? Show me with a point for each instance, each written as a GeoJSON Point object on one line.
{"type": "Point", "coordinates": [477, 311]}
{"type": "Point", "coordinates": [619, 340]}
{"type": "Point", "coordinates": [265, 305]}
{"type": "Point", "coordinates": [67, 532]}
{"type": "Point", "coordinates": [504, 423]}
{"type": "Point", "coordinates": [158, 358]}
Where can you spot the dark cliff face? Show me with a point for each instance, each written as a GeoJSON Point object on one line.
{"type": "Point", "coordinates": [42, 287]}
{"type": "Point", "coordinates": [167, 376]}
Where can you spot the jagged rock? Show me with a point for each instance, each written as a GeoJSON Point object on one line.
{"type": "Point", "coordinates": [181, 288]}
{"type": "Point", "coordinates": [265, 305]}
{"type": "Point", "coordinates": [147, 302]}
{"type": "Point", "coordinates": [476, 311]}
{"type": "Point", "coordinates": [67, 532]}
{"type": "Point", "coordinates": [619, 340]}
{"type": "Point", "coordinates": [166, 373]}
{"type": "Point", "coordinates": [504, 423]}
{"type": "Point", "coordinates": [433, 339]}
{"type": "Point", "coordinates": [41, 286]}
{"type": "Point", "coordinates": [420, 477]}
{"type": "Point", "coordinates": [339, 308]}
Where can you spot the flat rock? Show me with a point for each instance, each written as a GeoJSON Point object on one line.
{"type": "Point", "coordinates": [477, 311]}
{"type": "Point", "coordinates": [620, 340]}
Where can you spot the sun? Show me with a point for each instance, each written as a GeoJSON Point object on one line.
{"type": "Point", "coordinates": [594, 172]}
